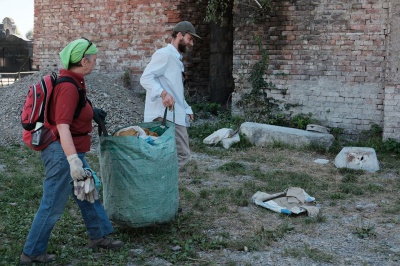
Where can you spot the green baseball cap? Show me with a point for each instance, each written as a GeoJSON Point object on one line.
{"type": "Point", "coordinates": [186, 27]}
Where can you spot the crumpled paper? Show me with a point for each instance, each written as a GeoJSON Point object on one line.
{"type": "Point", "coordinates": [292, 200]}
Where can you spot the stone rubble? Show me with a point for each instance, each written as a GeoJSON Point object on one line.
{"type": "Point", "coordinates": [123, 106]}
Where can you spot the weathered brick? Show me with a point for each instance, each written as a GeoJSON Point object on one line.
{"type": "Point", "coordinates": [319, 45]}
{"type": "Point", "coordinates": [346, 42]}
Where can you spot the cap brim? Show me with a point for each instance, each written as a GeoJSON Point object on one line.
{"type": "Point", "coordinates": [194, 34]}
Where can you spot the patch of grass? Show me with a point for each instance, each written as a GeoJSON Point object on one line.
{"type": "Point", "coordinates": [337, 196]}
{"type": "Point", "coordinates": [191, 169]}
{"type": "Point", "coordinates": [351, 189]}
{"type": "Point", "coordinates": [374, 188]}
{"type": "Point", "coordinates": [261, 238]}
{"type": "Point", "coordinates": [394, 208]}
{"type": "Point", "coordinates": [317, 148]}
{"type": "Point", "coordinates": [187, 194]}
{"type": "Point", "coordinates": [279, 145]}
{"type": "Point", "coordinates": [350, 178]}
{"type": "Point", "coordinates": [349, 171]}
{"type": "Point", "coordinates": [233, 168]}
{"type": "Point", "coordinates": [237, 196]}
{"type": "Point", "coordinates": [307, 251]}
{"type": "Point", "coordinates": [240, 197]}
{"type": "Point", "coordinates": [276, 160]}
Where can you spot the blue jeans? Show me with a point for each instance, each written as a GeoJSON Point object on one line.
{"type": "Point", "coordinates": [57, 188]}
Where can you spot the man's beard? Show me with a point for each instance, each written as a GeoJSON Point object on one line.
{"type": "Point", "coordinates": [182, 48]}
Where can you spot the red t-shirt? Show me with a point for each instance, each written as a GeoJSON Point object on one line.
{"type": "Point", "coordinates": [64, 101]}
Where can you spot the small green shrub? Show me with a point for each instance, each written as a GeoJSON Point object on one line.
{"type": "Point", "coordinates": [126, 79]}
{"type": "Point", "coordinates": [365, 229]}
{"type": "Point", "coordinates": [206, 109]}
{"type": "Point", "coordinates": [302, 120]}
{"type": "Point", "coordinates": [391, 145]}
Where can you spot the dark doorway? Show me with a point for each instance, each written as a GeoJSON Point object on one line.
{"type": "Point", "coordinates": [221, 59]}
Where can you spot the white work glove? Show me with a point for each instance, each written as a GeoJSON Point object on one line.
{"type": "Point", "coordinates": [76, 167]}
{"type": "Point", "coordinates": [79, 189]}
{"type": "Point", "coordinates": [85, 189]}
{"type": "Point", "coordinates": [91, 193]}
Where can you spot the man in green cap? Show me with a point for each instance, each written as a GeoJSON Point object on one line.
{"type": "Point", "coordinates": [163, 80]}
{"type": "Point", "coordinates": [64, 159]}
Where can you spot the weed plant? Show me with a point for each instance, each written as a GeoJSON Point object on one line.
{"type": "Point", "coordinates": [365, 229]}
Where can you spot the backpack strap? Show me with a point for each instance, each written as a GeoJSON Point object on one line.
{"type": "Point", "coordinates": [82, 97]}
{"type": "Point", "coordinates": [102, 130]}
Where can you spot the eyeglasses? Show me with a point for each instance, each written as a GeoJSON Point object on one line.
{"type": "Point", "coordinates": [87, 48]}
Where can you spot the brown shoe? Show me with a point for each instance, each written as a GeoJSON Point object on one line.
{"type": "Point", "coordinates": [105, 242]}
{"type": "Point", "coordinates": [27, 260]}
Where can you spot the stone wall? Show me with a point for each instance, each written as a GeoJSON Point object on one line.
{"type": "Point", "coordinates": [332, 54]}
{"type": "Point", "coordinates": [339, 58]}
{"type": "Point", "coordinates": [126, 33]}
{"type": "Point", "coordinates": [392, 86]}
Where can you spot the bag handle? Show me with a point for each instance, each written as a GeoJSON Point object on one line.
{"type": "Point", "coordinates": [164, 121]}
{"type": "Point", "coordinates": [102, 130]}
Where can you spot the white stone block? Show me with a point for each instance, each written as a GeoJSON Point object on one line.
{"type": "Point", "coordinates": [358, 158]}
{"type": "Point", "coordinates": [264, 135]}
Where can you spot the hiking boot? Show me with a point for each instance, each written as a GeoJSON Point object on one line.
{"type": "Point", "coordinates": [105, 242]}
{"type": "Point", "coordinates": [27, 260]}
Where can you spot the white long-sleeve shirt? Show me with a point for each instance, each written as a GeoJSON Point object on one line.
{"type": "Point", "coordinates": [165, 72]}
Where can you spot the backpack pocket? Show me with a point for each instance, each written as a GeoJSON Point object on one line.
{"type": "Point", "coordinates": [40, 138]}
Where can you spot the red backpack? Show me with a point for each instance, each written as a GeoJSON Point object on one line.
{"type": "Point", "coordinates": [38, 132]}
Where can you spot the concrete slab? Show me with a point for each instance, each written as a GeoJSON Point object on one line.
{"type": "Point", "coordinates": [264, 135]}
{"type": "Point", "coordinates": [358, 158]}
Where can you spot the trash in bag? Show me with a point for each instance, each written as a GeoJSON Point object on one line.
{"type": "Point", "coordinates": [137, 131]}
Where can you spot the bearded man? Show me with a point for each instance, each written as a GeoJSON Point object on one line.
{"type": "Point", "coordinates": [163, 79]}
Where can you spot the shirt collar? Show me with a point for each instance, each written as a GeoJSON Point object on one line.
{"type": "Point", "coordinates": [175, 51]}
{"type": "Point", "coordinates": [76, 76]}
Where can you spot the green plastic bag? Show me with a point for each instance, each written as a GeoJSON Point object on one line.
{"type": "Point", "coordinates": [140, 180]}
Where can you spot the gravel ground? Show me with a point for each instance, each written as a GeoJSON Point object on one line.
{"type": "Point", "coordinates": [335, 236]}
{"type": "Point", "coordinates": [122, 105]}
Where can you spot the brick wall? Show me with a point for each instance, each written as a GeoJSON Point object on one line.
{"type": "Point", "coordinates": [340, 58]}
{"type": "Point", "coordinates": [392, 86]}
{"type": "Point", "coordinates": [333, 55]}
{"type": "Point", "coordinates": [126, 33]}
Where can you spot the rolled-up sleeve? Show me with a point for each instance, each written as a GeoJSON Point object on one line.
{"type": "Point", "coordinates": [155, 69]}
{"type": "Point", "coordinates": [188, 109]}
